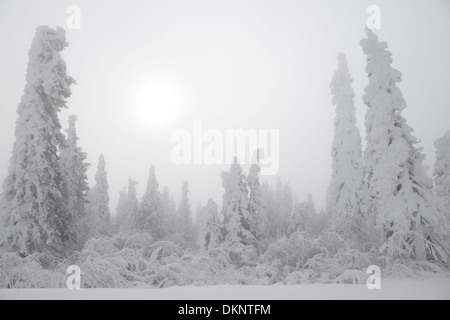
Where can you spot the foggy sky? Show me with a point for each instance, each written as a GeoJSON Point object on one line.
{"type": "Point", "coordinates": [235, 64]}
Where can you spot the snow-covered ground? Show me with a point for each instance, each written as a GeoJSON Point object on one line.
{"type": "Point", "coordinates": [436, 288]}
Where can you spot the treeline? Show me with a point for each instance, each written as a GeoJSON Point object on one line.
{"type": "Point", "coordinates": [381, 197]}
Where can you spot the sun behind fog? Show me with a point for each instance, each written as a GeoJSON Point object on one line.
{"type": "Point", "coordinates": [157, 104]}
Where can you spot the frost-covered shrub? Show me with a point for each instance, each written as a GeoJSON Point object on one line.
{"type": "Point", "coordinates": [45, 260]}
{"type": "Point", "coordinates": [273, 271]}
{"type": "Point", "coordinates": [400, 271]}
{"type": "Point", "coordinates": [301, 277]}
{"type": "Point", "coordinates": [168, 275]}
{"type": "Point", "coordinates": [101, 246]}
{"type": "Point", "coordinates": [205, 269]}
{"type": "Point", "coordinates": [316, 260]}
{"type": "Point", "coordinates": [237, 254]}
{"type": "Point", "coordinates": [353, 259]}
{"type": "Point", "coordinates": [135, 261]}
{"type": "Point", "coordinates": [131, 264]}
{"type": "Point", "coordinates": [116, 262]}
{"type": "Point", "coordinates": [221, 255]}
{"type": "Point", "coordinates": [243, 255]}
{"type": "Point", "coordinates": [407, 269]}
{"type": "Point", "coordinates": [177, 238]}
{"type": "Point", "coordinates": [245, 276]}
{"type": "Point", "coordinates": [352, 277]}
{"type": "Point", "coordinates": [324, 266]}
{"type": "Point", "coordinates": [100, 272]}
{"type": "Point", "coordinates": [17, 272]}
{"type": "Point", "coordinates": [160, 250]}
{"type": "Point", "coordinates": [137, 241]}
{"type": "Point", "coordinates": [261, 274]}
{"type": "Point", "coordinates": [293, 252]}
{"type": "Point", "coordinates": [119, 243]}
{"type": "Point", "coordinates": [333, 242]}
{"type": "Point", "coordinates": [187, 269]}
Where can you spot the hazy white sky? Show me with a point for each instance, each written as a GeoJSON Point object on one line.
{"type": "Point", "coordinates": [233, 64]}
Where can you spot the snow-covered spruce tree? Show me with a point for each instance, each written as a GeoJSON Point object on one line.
{"type": "Point", "coordinates": [322, 223]}
{"type": "Point", "coordinates": [76, 187]}
{"type": "Point", "coordinates": [35, 213]}
{"type": "Point", "coordinates": [99, 216]}
{"type": "Point", "coordinates": [151, 213]}
{"type": "Point", "coordinates": [237, 224]}
{"type": "Point", "coordinates": [121, 208]}
{"type": "Point", "coordinates": [127, 208]}
{"type": "Point", "coordinates": [170, 211]}
{"type": "Point", "coordinates": [280, 221]}
{"type": "Point", "coordinates": [196, 223]}
{"type": "Point", "coordinates": [346, 189]}
{"type": "Point", "coordinates": [210, 231]}
{"type": "Point", "coordinates": [280, 207]}
{"type": "Point", "coordinates": [399, 196]}
{"type": "Point", "coordinates": [268, 213]}
{"type": "Point", "coordinates": [328, 201]}
{"type": "Point", "coordinates": [185, 213]}
{"type": "Point", "coordinates": [255, 201]}
{"type": "Point", "coordinates": [442, 173]}
{"type": "Point", "coordinates": [287, 205]}
{"type": "Point", "coordinates": [226, 198]}
{"type": "Point", "coordinates": [303, 217]}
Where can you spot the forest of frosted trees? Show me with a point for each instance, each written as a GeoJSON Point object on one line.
{"type": "Point", "coordinates": [382, 206]}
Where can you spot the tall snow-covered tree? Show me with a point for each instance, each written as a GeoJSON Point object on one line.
{"type": "Point", "coordinates": [210, 231]}
{"type": "Point", "coordinates": [121, 209]}
{"type": "Point", "coordinates": [151, 213]}
{"type": "Point", "coordinates": [287, 205]}
{"type": "Point", "coordinates": [322, 223]}
{"type": "Point", "coordinates": [268, 213]}
{"type": "Point", "coordinates": [35, 211]}
{"type": "Point", "coordinates": [226, 198]}
{"type": "Point", "coordinates": [74, 168]}
{"type": "Point", "coordinates": [255, 201]}
{"type": "Point", "coordinates": [99, 215]}
{"type": "Point", "coordinates": [237, 223]}
{"type": "Point", "coordinates": [279, 212]}
{"type": "Point", "coordinates": [399, 194]}
{"type": "Point", "coordinates": [346, 189]}
{"type": "Point", "coordinates": [127, 208]}
{"type": "Point", "coordinates": [197, 220]}
{"type": "Point", "coordinates": [170, 211]}
{"type": "Point", "coordinates": [442, 173]}
{"type": "Point", "coordinates": [185, 213]}
{"type": "Point", "coordinates": [303, 217]}
{"type": "Point", "coordinates": [279, 204]}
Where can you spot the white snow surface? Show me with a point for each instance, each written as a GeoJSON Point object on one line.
{"type": "Point", "coordinates": [430, 289]}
